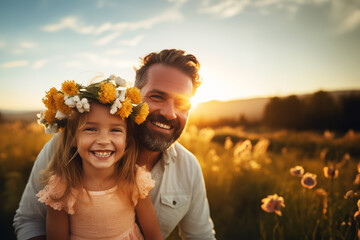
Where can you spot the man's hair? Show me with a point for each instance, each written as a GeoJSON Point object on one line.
{"type": "Point", "coordinates": [179, 59]}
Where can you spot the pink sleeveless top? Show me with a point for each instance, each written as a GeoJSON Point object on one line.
{"type": "Point", "coordinates": [105, 215]}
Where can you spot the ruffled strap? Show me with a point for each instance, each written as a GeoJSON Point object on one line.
{"type": "Point", "coordinates": [143, 181]}
{"type": "Point", "coordinates": [53, 191]}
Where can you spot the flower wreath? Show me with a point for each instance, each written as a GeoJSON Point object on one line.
{"type": "Point", "coordinates": [123, 101]}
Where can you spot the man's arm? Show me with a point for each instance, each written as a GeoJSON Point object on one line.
{"type": "Point", "coordinates": [197, 223]}
{"type": "Point", "coordinates": [30, 217]}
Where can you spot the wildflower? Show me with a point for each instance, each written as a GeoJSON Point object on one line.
{"type": "Point", "coordinates": [60, 104]}
{"type": "Point", "coordinates": [126, 109]}
{"type": "Point", "coordinates": [121, 82]}
{"type": "Point", "coordinates": [297, 171]}
{"type": "Point", "coordinates": [228, 143]}
{"type": "Point", "coordinates": [357, 217]}
{"type": "Point", "coordinates": [309, 180]}
{"type": "Point", "coordinates": [328, 134]}
{"type": "Point", "coordinates": [357, 179]}
{"type": "Point", "coordinates": [141, 116]}
{"type": "Point", "coordinates": [134, 95]}
{"type": "Point", "coordinates": [52, 128]}
{"type": "Point", "coordinates": [242, 147]}
{"type": "Point", "coordinates": [349, 194]}
{"type": "Point", "coordinates": [107, 93]}
{"type": "Point", "coordinates": [49, 116]}
{"type": "Point", "coordinates": [60, 115]}
{"type": "Point", "coordinates": [69, 88]}
{"type": "Point", "coordinates": [69, 101]}
{"type": "Point", "coordinates": [261, 147]}
{"type": "Point", "coordinates": [48, 100]}
{"type": "Point", "coordinates": [331, 172]}
{"type": "Point", "coordinates": [273, 203]}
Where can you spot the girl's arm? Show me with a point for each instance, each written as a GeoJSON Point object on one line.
{"type": "Point", "coordinates": [147, 219]}
{"type": "Point", "coordinates": [57, 224]}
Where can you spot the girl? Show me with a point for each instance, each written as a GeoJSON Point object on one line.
{"type": "Point", "coordinates": [93, 184]}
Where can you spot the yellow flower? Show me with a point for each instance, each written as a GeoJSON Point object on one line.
{"type": "Point", "coordinates": [49, 116]}
{"type": "Point", "coordinates": [107, 93]}
{"type": "Point", "coordinates": [125, 109]}
{"type": "Point", "coordinates": [48, 100]}
{"type": "Point", "coordinates": [69, 88]}
{"type": "Point", "coordinates": [60, 104]}
{"type": "Point", "coordinates": [143, 113]}
{"type": "Point", "coordinates": [134, 95]}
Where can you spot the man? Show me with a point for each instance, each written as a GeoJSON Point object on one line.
{"type": "Point", "coordinates": [166, 81]}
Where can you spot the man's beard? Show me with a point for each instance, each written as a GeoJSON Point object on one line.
{"type": "Point", "coordinates": [157, 141]}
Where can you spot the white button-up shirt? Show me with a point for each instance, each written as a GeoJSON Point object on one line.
{"type": "Point", "coordinates": [179, 196]}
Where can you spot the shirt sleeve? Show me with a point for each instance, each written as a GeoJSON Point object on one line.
{"type": "Point", "coordinates": [197, 223]}
{"type": "Point", "coordinates": [30, 217]}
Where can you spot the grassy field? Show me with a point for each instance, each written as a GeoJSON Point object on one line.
{"type": "Point", "coordinates": [240, 169]}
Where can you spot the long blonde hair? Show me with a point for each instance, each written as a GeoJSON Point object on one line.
{"type": "Point", "coordinates": [66, 163]}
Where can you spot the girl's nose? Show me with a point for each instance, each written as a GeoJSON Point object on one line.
{"type": "Point", "coordinates": [103, 138]}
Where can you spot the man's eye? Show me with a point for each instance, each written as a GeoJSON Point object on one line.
{"type": "Point", "coordinates": [156, 97]}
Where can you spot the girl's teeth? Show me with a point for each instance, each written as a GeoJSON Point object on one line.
{"type": "Point", "coordinates": [102, 154]}
{"type": "Point", "coordinates": [161, 125]}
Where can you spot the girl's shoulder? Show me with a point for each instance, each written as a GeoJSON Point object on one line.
{"type": "Point", "coordinates": [54, 195]}
{"type": "Point", "coordinates": [143, 181]}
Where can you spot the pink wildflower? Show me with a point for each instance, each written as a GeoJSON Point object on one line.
{"type": "Point", "coordinates": [273, 203]}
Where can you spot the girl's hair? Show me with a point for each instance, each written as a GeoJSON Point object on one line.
{"type": "Point", "coordinates": [66, 163]}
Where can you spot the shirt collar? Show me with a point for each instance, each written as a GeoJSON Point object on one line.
{"type": "Point", "coordinates": [169, 154]}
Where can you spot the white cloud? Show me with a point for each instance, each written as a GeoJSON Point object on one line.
{"type": "Point", "coordinates": [40, 63]}
{"type": "Point", "coordinates": [69, 22]}
{"type": "Point", "coordinates": [18, 51]}
{"type": "Point", "coordinates": [93, 58]}
{"type": "Point", "coordinates": [132, 42]}
{"type": "Point", "coordinates": [14, 64]}
{"type": "Point", "coordinates": [351, 22]}
{"type": "Point", "coordinates": [28, 45]}
{"type": "Point", "coordinates": [114, 51]}
{"type": "Point", "coordinates": [226, 9]}
{"type": "Point", "coordinates": [107, 39]}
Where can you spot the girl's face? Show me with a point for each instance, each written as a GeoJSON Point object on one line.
{"type": "Point", "coordinates": [101, 140]}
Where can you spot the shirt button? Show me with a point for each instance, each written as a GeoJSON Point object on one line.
{"type": "Point", "coordinates": [174, 202]}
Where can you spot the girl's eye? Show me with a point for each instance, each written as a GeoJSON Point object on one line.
{"type": "Point", "coordinates": [90, 129]}
{"type": "Point", "coordinates": [117, 130]}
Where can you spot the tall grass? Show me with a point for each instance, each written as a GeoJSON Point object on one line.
{"type": "Point", "coordinates": [237, 176]}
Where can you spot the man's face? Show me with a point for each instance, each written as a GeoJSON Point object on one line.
{"type": "Point", "coordinates": [167, 92]}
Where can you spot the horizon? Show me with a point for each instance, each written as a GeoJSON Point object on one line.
{"type": "Point", "coordinates": [246, 49]}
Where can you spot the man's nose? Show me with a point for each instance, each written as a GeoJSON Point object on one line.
{"type": "Point", "coordinates": [168, 110]}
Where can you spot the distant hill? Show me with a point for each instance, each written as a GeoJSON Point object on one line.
{"type": "Point", "coordinates": [252, 109]}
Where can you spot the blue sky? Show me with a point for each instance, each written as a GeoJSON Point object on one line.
{"type": "Point", "coordinates": [246, 48]}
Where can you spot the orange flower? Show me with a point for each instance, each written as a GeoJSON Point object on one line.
{"type": "Point", "coordinates": [60, 104]}
{"type": "Point", "coordinates": [330, 172]}
{"type": "Point", "coordinates": [309, 180]}
{"type": "Point", "coordinates": [69, 88]}
{"type": "Point", "coordinates": [49, 116]}
{"type": "Point", "coordinates": [273, 203]}
{"type": "Point", "coordinates": [125, 109]}
{"type": "Point", "coordinates": [134, 95]}
{"type": "Point", "coordinates": [48, 100]}
{"type": "Point", "coordinates": [107, 93]}
{"type": "Point", "coordinates": [143, 113]}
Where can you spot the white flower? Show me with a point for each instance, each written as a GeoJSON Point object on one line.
{"type": "Point", "coordinates": [113, 110]}
{"type": "Point", "coordinates": [84, 101]}
{"type": "Point", "coordinates": [86, 107]}
{"type": "Point", "coordinates": [60, 115]}
{"type": "Point", "coordinates": [69, 102]}
{"type": "Point", "coordinates": [41, 119]}
{"type": "Point", "coordinates": [76, 98]}
{"type": "Point", "coordinates": [122, 96]}
{"type": "Point", "coordinates": [121, 82]}
{"type": "Point", "coordinates": [297, 171]}
{"type": "Point", "coordinates": [79, 107]}
{"type": "Point", "coordinates": [112, 77]}
{"type": "Point", "coordinates": [52, 128]}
